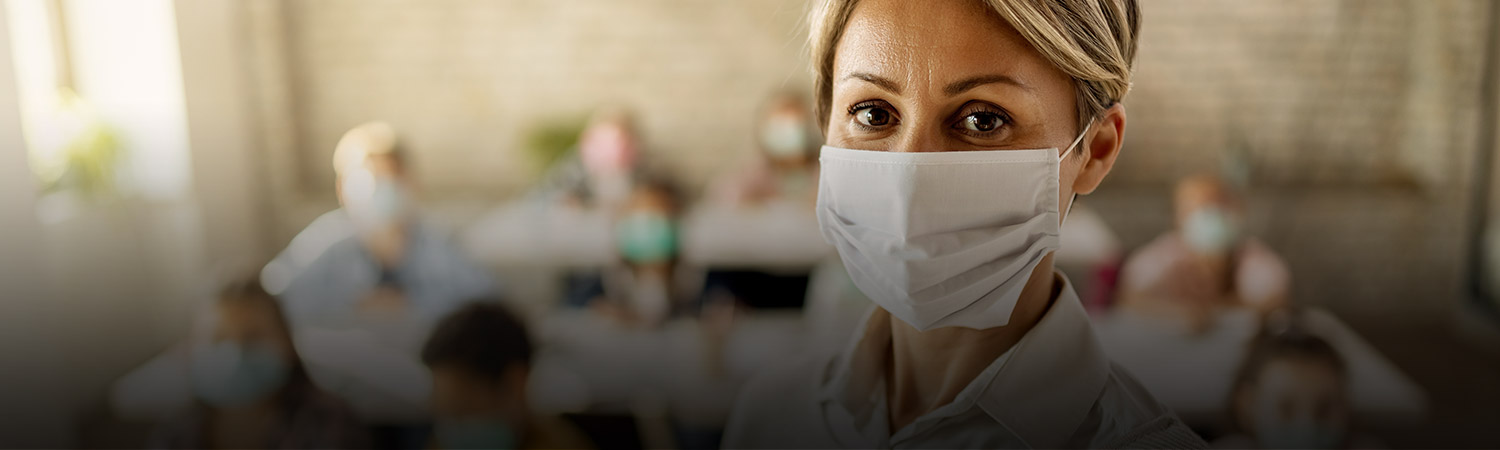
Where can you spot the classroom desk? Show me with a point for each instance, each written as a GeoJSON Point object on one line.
{"type": "Point", "coordinates": [772, 236]}
{"type": "Point", "coordinates": [1193, 374]}
{"type": "Point", "coordinates": [383, 384]}
{"type": "Point", "coordinates": [531, 234]}
{"type": "Point", "coordinates": [584, 362]}
{"type": "Point", "coordinates": [671, 366]}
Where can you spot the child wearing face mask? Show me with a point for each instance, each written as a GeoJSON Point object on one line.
{"type": "Point", "coordinates": [480, 358]}
{"type": "Point", "coordinates": [1292, 392]}
{"type": "Point", "coordinates": [649, 285]}
{"type": "Point", "coordinates": [378, 256]}
{"type": "Point", "coordinates": [786, 167]}
{"type": "Point", "coordinates": [1205, 264]}
{"type": "Point", "coordinates": [251, 388]}
{"type": "Point", "coordinates": [598, 174]}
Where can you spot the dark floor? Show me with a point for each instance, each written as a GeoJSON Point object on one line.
{"type": "Point", "coordinates": [1462, 381]}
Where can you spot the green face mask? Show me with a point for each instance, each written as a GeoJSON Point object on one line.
{"type": "Point", "coordinates": [645, 237]}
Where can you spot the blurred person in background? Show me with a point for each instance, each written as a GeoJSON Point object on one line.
{"type": "Point", "coordinates": [650, 285]}
{"type": "Point", "coordinates": [1091, 254]}
{"type": "Point", "coordinates": [480, 357]}
{"type": "Point", "coordinates": [1206, 263]}
{"type": "Point", "coordinates": [787, 166]}
{"type": "Point", "coordinates": [250, 386]}
{"type": "Point", "coordinates": [959, 132]}
{"type": "Point", "coordinates": [604, 167]}
{"type": "Point", "coordinates": [1292, 391]}
{"type": "Point", "coordinates": [375, 254]}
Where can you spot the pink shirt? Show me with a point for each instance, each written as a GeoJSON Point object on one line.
{"type": "Point", "coordinates": [1165, 270]}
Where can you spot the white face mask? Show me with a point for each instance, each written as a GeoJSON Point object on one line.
{"type": "Point", "coordinates": [942, 239]}
{"type": "Point", "coordinates": [785, 138]}
{"type": "Point", "coordinates": [1211, 230]}
{"type": "Point", "coordinates": [374, 202]}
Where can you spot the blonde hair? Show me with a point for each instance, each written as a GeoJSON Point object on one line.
{"type": "Point", "coordinates": [1093, 41]}
{"type": "Point", "coordinates": [368, 139]}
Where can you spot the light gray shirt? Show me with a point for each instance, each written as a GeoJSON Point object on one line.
{"type": "Point", "coordinates": [1054, 389]}
{"type": "Point", "coordinates": [434, 276]}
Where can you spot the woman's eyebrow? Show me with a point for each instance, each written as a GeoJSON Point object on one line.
{"type": "Point", "coordinates": [886, 84]}
{"type": "Point", "coordinates": [961, 86]}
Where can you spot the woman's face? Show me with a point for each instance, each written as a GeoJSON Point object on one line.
{"type": "Point", "coordinates": [952, 75]}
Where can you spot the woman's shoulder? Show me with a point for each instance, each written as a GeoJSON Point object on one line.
{"type": "Point", "coordinates": [1128, 416]}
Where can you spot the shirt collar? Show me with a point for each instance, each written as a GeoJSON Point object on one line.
{"type": "Point", "coordinates": [1041, 389]}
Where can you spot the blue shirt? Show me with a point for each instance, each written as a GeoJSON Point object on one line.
{"type": "Point", "coordinates": [433, 276]}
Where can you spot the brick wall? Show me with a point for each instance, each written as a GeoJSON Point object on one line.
{"type": "Point", "coordinates": [1357, 118]}
{"type": "Point", "coordinates": [463, 79]}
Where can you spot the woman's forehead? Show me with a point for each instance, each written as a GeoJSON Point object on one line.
{"type": "Point", "coordinates": [933, 43]}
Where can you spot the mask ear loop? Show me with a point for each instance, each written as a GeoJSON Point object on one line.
{"type": "Point", "coordinates": [1064, 157]}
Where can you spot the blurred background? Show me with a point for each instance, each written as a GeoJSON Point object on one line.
{"type": "Point", "coordinates": [153, 149]}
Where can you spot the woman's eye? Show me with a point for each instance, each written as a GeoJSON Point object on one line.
{"type": "Point", "coordinates": [873, 116]}
{"type": "Point", "coordinates": [982, 122]}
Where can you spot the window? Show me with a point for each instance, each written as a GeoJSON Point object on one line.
{"type": "Point", "coordinates": [69, 148]}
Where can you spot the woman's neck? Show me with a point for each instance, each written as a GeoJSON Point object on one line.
{"type": "Point", "coordinates": [927, 369]}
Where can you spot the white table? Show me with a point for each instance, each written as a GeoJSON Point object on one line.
{"type": "Point", "coordinates": [382, 383]}
{"type": "Point", "coordinates": [583, 362]}
{"type": "Point", "coordinates": [772, 236]}
{"type": "Point", "coordinates": [777, 235]}
{"type": "Point", "coordinates": [536, 234]}
{"type": "Point", "coordinates": [622, 367]}
{"type": "Point", "coordinates": [1193, 373]}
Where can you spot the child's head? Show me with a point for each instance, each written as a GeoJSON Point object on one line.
{"type": "Point", "coordinates": [1291, 392]}
{"type": "Point", "coordinates": [242, 351]}
{"type": "Point", "coordinates": [479, 357]}
{"type": "Point", "coordinates": [788, 136]}
{"type": "Point", "coordinates": [646, 233]}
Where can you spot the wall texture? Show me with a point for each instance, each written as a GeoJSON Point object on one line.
{"type": "Point", "coordinates": [1356, 121]}
{"type": "Point", "coordinates": [463, 79]}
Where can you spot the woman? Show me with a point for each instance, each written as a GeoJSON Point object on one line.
{"type": "Point", "coordinates": [977, 341]}
{"type": "Point", "coordinates": [251, 387]}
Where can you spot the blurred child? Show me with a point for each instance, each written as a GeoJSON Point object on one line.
{"type": "Point", "coordinates": [480, 358]}
{"type": "Point", "coordinates": [1291, 392]}
{"type": "Point", "coordinates": [1206, 263]}
{"type": "Point", "coordinates": [787, 166]}
{"type": "Point", "coordinates": [251, 388]}
{"type": "Point", "coordinates": [377, 253]}
{"type": "Point", "coordinates": [600, 173]}
{"type": "Point", "coordinates": [650, 285]}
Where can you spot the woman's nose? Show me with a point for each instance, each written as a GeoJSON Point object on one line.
{"type": "Point", "coordinates": [919, 138]}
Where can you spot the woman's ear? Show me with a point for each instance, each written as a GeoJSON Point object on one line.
{"type": "Point", "coordinates": [1101, 146]}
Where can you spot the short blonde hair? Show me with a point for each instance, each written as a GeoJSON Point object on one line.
{"type": "Point", "coordinates": [368, 139]}
{"type": "Point", "coordinates": [1093, 41]}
